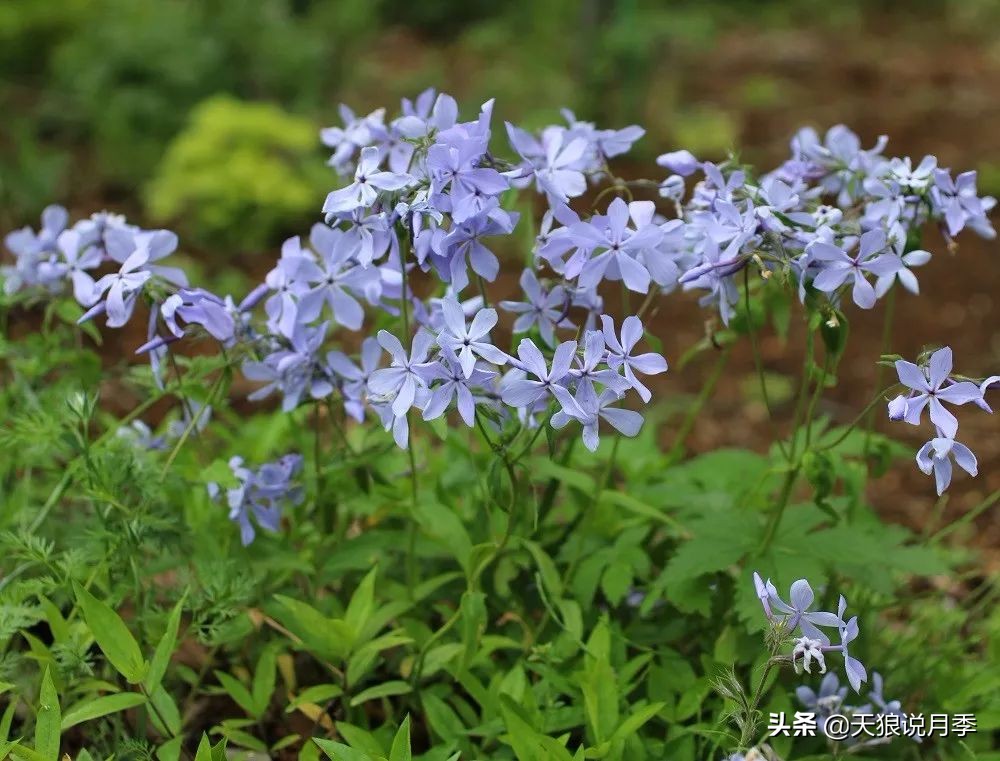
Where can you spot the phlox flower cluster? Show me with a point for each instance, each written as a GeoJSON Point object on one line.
{"type": "Point", "coordinates": [835, 216]}
{"type": "Point", "coordinates": [930, 387]}
{"type": "Point", "coordinates": [424, 197]}
{"type": "Point", "coordinates": [813, 644]}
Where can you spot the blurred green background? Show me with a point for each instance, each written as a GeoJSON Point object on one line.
{"type": "Point", "coordinates": [203, 114]}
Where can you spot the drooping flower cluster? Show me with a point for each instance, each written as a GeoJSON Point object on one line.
{"type": "Point", "coordinates": [260, 493]}
{"type": "Point", "coordinates": [929, 387]}
{"type": "Point", "coordinates": [813, 644]}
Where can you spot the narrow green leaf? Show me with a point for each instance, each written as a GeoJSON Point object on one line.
{"type": "Point", "coordinates": [238, 692]}
{"type": "Point", "coordinates": [401, 743]}
{"type": "Point", "coordinates": [339, 752]}
{"type": "Point", "coordinates": [633, 723]}
{"type": "Point", "coordinates": [361, 604]}
{"type": "Point", "coordinates": [94, 708]}
{"type": "Point", "coordinates": [164, 648]}
{"type": "Point", "coordinates": [47, 720]}
{"type": "Point", "coordinates": [264, 680]}
{"type": "Point", "coordinates": [168, 751]}
{"type": "Point", "coordinates": [112, 636]}
{"type": "Point", "coordinates": [521, 736]}
{"type": "Point", "coordinates": [384, 690]}
{"type": "Point", "coordinates": [204, 752]}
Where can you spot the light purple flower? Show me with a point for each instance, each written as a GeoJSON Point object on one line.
{"type": "Point", "coordinates": [354, 377]}
{"type": "Point", "coordinates": [470, 342]}
{"type": "Point", "coordinates": [838, 266]}
{"type": "Point", "coordinates": [406, 374]}
{"type": "Point", "coordinates": [332, 279]}
{"type": "Point", "coordinates": [462, 247]}
{"type": "Point", "coordinates": [356, 133]}
{"type": "Point", "coordinates": [293, 371]}
{"type": "Point", "coordinates": [77, 258]}
{"type": "Point", "coordinates": [522, 391]}
{"type": "Point", "coordinates": [454, 384]}
{"type": "Point", "coordinates": [121, 242]}
{"type": "Point", "coordinates": [936, 455]}
{"type": "Point", "coordinates": [194, 306]}
{"type": "Point", "coordinates": [620, 245]}
{"type": "Point", "coordinates": [855, 670]}
{"type": "Point", "coordinates": [620, 353]}
{"type": "Point", "coordinates": [368, 181]}
{"type": "Point", "coordinates": [260, 494]}
{"type": "Point", "coordinates": [595, 354]}
{"type": "Point", "coordinates": [287, 286]}
{"type": "Point", "coordinates": [928, 388]}
{"type": "Point", "coordinates": [797, 613]}
{"type": "Point", "coordinates": [959, 203]}
{"type": "Point", "coordinates": [679, 162]}
{"type": "Point", "coordinates": [993, 380]}
{"type": "Point", "coordinates": [554, 161]}
{"type": "Point", "coordinates": [589, 408]}
{"type": "Point", "coordinates": [122, 289]}
{"type": "Point", "coordinates": [546, 309]}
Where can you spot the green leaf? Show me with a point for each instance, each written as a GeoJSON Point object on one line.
{"type": "Point", "coordinates": [112, 636]}
{"type": "Point", "coordinates": [442, 718]}
{"type": "Point", "coordinates": [473, 610]}
{"type": "Point", "coordinates": [359, 609]}
{"type": "Point", "coordinates": [94, 708]}
{"type": "Point", "coordinates": [47, 720]}
{"type": "Point", "coordinates": [164, 648]}
{"type": "Point", "coordinates": [384, 690]}
{"type": "Point", "coordinates": [168, 751]}
{"type": "Point", "coordinates": [319, 694]}
{"type": "Point", "coordinates": [521, 735]}
{"type": "Point", "coordinates": [238, 692]}
{"type": "Point", "coordinates": [166, 717]}
{"type": "Point", "coordinates": [204, 752]}
{"type": "Point", "coordinates": [340, 752]}
{"type": "Point", "coordinates": [633, 723]}
{"type": "Point", "coordinates": [264, 680]}
{"type": "Point", "coordinates": [638, 507]}
{"type": "Point", "coordinates": [328, 638]}
{"type": "Point", "coordinates": [547, 569]}
{"type": "Point", "coordinates": [360, 739]}
{"type": "Point", "coordinates": [401, 743]}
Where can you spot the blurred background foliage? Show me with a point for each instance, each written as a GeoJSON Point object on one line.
{"type": "Point", "coordinates": [115, 102]}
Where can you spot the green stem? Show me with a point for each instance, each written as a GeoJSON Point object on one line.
{"type": "Point", "coordinates": [887, 324]}
{"type": "Point", "coordinates": [758, 362]}
{"type": "Point", "coordinates": [968, 517]}
{"type": "Point", "coordinates": [803, 391]}
{"type": "Point", "coordinates": [779, 511]}
{"type": "Point", "coordinates": [746, 735]}
{"type": "Point", "coordinates": [411, 561]}
{"type": "Point", "coordinates": [192, 423]}
{"type": "Point", "coordinates": [695, 409]}
{"type": "Point", "coordinates": [880, 397]}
